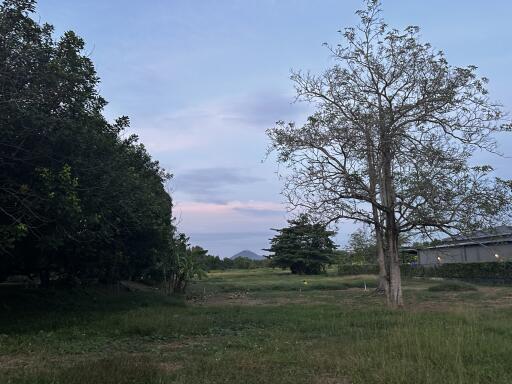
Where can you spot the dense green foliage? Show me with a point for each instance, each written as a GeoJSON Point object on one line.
{"type": "Point", "coordinates": [203, 261]}
{"type": "Point", "coordinates": [77, 198]}
{"type": "Point", "coordinates": [362, 248]}
{"type": "Point", "coordinates": [184, 264]}
{"type": "Point", "coordinates": [492, 271]}
{"type": "Point", "coordinates": [216, 263]}
{"type": "Point", "coordinates": [303, 246]}
{"type": "Point", "coordinates": [188, 262]}
{"type": "Point", "coordinates": [498, 271]}
{"type": "Point", "coordinates": [357, 269]}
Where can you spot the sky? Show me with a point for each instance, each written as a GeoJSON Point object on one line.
{"type": "Point", "coordinates": [202, 80]}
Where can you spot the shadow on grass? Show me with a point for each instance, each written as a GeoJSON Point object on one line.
{"type": "Point", "coordinates": [37, 310]}
{"type": "Point", "coordinates": [122, 369]}
{"type": "Point", "coordinates": [452, 286]}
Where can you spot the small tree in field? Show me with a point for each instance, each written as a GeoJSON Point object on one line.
{"type": "Point", "coordinates": [183, 264]}
{"type": "Point", "coordinates": [361, 247]}
{"type": "Point", "coordinates": [391, 140]}
{"type": "Point", "coordinates": [304, 247]}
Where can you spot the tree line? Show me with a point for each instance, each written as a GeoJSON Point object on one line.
{"type": "Point", "coordinates": [79, 199]}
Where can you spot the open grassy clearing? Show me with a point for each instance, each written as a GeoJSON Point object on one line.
{"type": "Point", "coordinates": [259, 326]}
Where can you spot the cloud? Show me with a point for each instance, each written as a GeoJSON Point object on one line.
{"type": "Point", "coordinates": [229, 236]}
{"type": "Point", "coordinates": [228, 228]}
{"type": "Point", "coordinates": [205, 126]}
{"type": "Point", "coordinates": [264, 109]}
{"type": "Point", "coordinates": [214, 150]}
{"type": "Point", "coordinates": [256, 211]}
{"type": "Point", "coordinates": [232, 216]}
{"type": "Point", "coordinates": [211, 184]}
{"type": "Point", "coordinates": [229, 207]}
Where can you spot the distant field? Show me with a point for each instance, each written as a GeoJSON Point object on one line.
{"type": "Point", "coordinates": [259, 326]}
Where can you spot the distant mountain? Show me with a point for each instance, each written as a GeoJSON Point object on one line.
{"type": "Point", "coordinates": [248, 254]}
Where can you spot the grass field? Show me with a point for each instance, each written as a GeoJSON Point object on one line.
{"type": "Point", "coordinates": [259, 326]}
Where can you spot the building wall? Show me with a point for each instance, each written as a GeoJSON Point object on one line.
{"type": "Point", "coordinates": [465, 254]}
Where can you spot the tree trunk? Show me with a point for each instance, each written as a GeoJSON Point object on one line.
{"type": "Point", "coordinates": [395, 279]}
{"type": "Point", "coordinates": [392, 256]}
{"type": "Point", "coordinates": [394, 294]}
{"type": "Point", "coordinates": [383, 283]}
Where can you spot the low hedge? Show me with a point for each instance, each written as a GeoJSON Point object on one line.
{"type": "Point", "coordinates": [474, 271]}
{"type": "Point", "coordinates": [499, 271]}
{"type": "Point", "coordinates": [357, 269]}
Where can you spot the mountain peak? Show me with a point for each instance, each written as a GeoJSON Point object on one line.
{"type": "Point", "coordinates": [248, 254]}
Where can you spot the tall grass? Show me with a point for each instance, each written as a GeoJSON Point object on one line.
{"type": "Point", "coordinates": [442, 337]}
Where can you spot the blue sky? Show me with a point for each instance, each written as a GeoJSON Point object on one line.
{"type": "Point", "coordinates": [202, 80]}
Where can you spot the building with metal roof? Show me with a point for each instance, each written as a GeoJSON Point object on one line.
{"type": "Point", "coordinates": [491, 245]}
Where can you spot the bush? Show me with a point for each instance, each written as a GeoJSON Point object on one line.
{"type": "Point", "coordinates": [495, 271]}
{"type": "Point", "coordinates": [491, 271]}
{"type": "Point", "coordinates": [358, 269]}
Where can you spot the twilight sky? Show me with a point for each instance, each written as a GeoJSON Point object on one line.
{"type": "Point", "coordinates": [202, 80]}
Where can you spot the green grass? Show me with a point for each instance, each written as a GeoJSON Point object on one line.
{"type": "Point", "coordinates": [454, 286]}
{"type": "Point", "coordinates": [259, 326]}
{"type": "Point", "coordinates": [278, 280]}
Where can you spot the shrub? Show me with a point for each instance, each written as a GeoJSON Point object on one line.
{"type": "Point", "coordinates": [494, 271]}
{"type": "Point", "coordinates": [357, 269]}
{"type": "Point", "coordinates": [491, 271]}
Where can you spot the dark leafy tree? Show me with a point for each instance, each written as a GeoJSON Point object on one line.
{"type": "Point", "coordinates": [303, 246]}
{"type": "Point", "coordinates": [77, 198]}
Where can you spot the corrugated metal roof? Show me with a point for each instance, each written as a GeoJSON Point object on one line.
{"type": "Point", "coordinates": [490, 236]}
{"type": "Point", "coordinates": [461, 244]}
{"type": "Point", "coordinates": [502, 230]}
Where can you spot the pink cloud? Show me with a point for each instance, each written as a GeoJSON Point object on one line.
{"type": "Point", "coordinates": [233, 216]}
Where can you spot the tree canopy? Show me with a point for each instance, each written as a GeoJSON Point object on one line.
{"type": "Point", "coordinates": [78, 197]}
{"type": "Point", "coordinates": [391, 142]}
{"type": "Point", "coordinates": [303, 246]}
{"type": "Point", "coordinates": [361, 247]}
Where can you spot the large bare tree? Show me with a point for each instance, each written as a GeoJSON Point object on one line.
{"type": "Point", "coordinates": [391, 142]}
